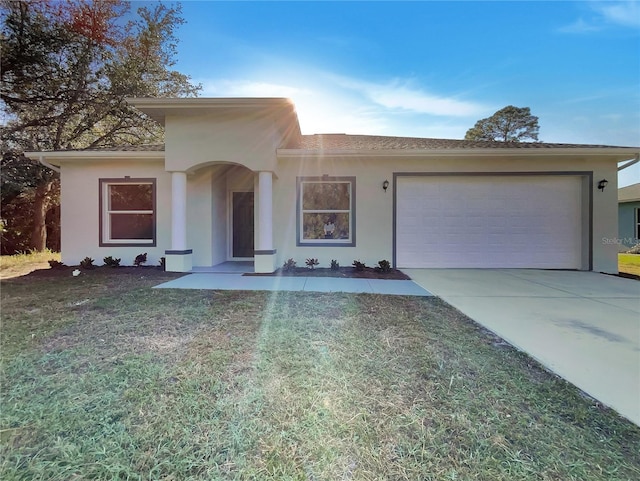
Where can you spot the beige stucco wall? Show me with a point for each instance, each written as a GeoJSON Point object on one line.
{"type": "Point", "coordinates": [202, 138]}
{"type": "Point", "coordinates": [80, 210]}
{"type": "Point", "coordinates": [209, 189]}
{"type": "Point", "coordinates": [374, 207]}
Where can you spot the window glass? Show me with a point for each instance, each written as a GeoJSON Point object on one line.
{"type": "Point", "coordinates": [326, 211]}
{"type": "Point", "coordinates": [326, 196]}
{"type": "Point", "coordinates": [131, 197]}
{"type": "Point", "coordinates": [127, 212]}
{"type": "Point", "coordinates": [325, 226]}
{"type": "Point", "coordinates": [131, 226]}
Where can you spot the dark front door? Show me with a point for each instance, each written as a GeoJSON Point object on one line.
{"type": "Point", "coordinates": [242, 224]}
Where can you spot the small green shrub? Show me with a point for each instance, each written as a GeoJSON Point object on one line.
{"type": "Point", "coordinates": [111, 262]}
{"type": "Point", "coordinates": [311, 263]}
{"type": "Point", "coordinates": [54, 264]}
{"type": "Point", "coordinates": [359, 266]}
{"type": "Point", "coordinates": [289, 265]}
{"type": "Point", "coordinates": [384, 266]}
{"type": "Point", "coordinates": [335, 265]}
{"type": "Point", "coordinates": [140, 259]}
{"type": "Point", "coordinates": [87, 263]}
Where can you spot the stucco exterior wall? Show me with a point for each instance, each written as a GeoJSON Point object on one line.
{"type": "Point", "coordinates": [80, 195]}
{"type": "Point", "coordinates": [206, 137]}
{"type": "Point", "coordinates": [200, 208]}
{"type": "Point", "coordinates": [374, 207]}
{"type": "Point", "coordinates": [627, 224]}
{"type": "Point", "coordinates": [209, 189]}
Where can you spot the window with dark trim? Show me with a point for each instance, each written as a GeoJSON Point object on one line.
{"type": "Point", "coordinates": [326, 213]}
{"type": "Point", "coordinates": [128, 212]}
{"type": "Point", "coordinates": [637, 224]}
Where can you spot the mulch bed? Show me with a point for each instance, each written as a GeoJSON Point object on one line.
{"type": "Point", "coordinates": [66, 271]}
{"type": "Point", "coordinates": [155, 271]}
{"type": "Point", "coordinates": [343, 272]}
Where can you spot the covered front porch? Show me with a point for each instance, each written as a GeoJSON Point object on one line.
{"type": "Point", "coordinates": [227, 267]}
{"type": "Point", "coordinates": [221, 220]}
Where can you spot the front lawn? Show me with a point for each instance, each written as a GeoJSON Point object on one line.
{"type": "Point", "coordinates": [105, 378]}
{"type": "Point", "coordinates": [629, 263]}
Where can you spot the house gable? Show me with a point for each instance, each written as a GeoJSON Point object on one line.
{"type": "Point", "coordinates": [239, 131]}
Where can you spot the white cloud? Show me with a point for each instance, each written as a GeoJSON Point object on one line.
{"type": "Point", "coordinates": [330, 103]}
{"type": "Point", "coordinates": [625, 13]}
{"type": "Point", "coordinates": [400, 95]}
{"type": "Point", "coordinates": [621, 13]}
{"type": "Point", "coordinates": [579, 26]}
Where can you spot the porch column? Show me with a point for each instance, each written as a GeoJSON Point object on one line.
{"type": "Point", "coordinates": [178, 259]}
{"type": "Point", "coordinates": [264, 254]}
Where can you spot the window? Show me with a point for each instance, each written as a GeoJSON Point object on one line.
{"type": "Point", "coordinates": [326, 211]}
{"type": "Point", "coordinates": [637, 226]}
{"type": "Point", "coordinates": [127, 212]}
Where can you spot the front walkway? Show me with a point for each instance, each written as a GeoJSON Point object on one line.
{"type": "Point", "coordinates": [221, 281]}
{"type": "Point", "coordinates": [583, 326]}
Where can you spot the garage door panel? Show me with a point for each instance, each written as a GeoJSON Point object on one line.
{"type": "Point", "coordinates": [484, 221]}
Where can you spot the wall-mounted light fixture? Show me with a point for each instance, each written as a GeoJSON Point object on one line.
{"type": "Point", "coordinates": [385, 185]}
{"type": "Point", "coordinates": [602, 184]}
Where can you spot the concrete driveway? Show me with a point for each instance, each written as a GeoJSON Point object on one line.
{"type": "Point", "coordinates": [583, 326]}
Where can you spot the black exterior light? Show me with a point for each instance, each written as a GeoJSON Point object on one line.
{"type": "Point", "coordinates": [385, 185]}
{"type": "Point", "coordinates": [602, 184]}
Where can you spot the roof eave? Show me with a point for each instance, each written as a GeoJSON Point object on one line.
{"type": "Point", "coordinates": [56, 158]}
{"type": "Point", "coordinates": [158, 108]}
{"type": "Point", "coordinates": [621, 153]}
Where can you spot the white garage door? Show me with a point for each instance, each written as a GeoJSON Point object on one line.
{"type": "Point", "coordinates": [489, 221]}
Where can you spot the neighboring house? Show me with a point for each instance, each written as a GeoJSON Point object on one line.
{"type": "Point", "coordinates": [236, 180]}
{"type": "Point", "coordinates": [628, 216]}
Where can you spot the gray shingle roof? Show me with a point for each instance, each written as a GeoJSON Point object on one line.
{"type": "Point", "coordinates": [376, 142]}
{"type": "Point", "coordinates": [325, 142]}
{"type": "Point", "coordinates": [629, 193]}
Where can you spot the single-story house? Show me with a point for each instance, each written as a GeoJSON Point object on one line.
{"type": "Point", "coordinates": [629, 216]}
{"type": "Point", "coordinates": [236, 180]}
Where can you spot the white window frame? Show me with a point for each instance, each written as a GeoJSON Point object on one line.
{"type": "Point", "coordinates": [351, 240]}
{"type": "Point", "coordinates": [106, 213]}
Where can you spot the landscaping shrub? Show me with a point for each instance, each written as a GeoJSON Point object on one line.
{"type": "Point", "coordinates": [140, 259]}
{"type": "Point", "coordinates": [359, 266]}
{"type": "Point", "coordinates": [384, 266]}
{"type": "Point", "coordinates": [111, 262]}
{"type": "Point", "coordinates": [289, 265]}
{"type": "Point", "coordinates": [54, 264]}
{"type": "Point", "coordinates": [87, 263]}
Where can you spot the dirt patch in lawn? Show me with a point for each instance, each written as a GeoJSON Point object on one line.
{"type": "Point", "coordinates": [342, 272]}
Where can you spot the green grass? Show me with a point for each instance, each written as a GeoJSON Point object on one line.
{"type": "Point", "coordinates": [20, 264]}
{"type": "Point", "coordinates": [629, 263]}
{"type": "Point", "coordinates": [105, 378]}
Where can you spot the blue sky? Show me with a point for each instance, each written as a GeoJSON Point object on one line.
{"type": "Point", "coordinates": [427, 69]}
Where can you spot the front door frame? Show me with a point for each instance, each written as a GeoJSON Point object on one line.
{"type": "Point", "coordinates": [230, 220]}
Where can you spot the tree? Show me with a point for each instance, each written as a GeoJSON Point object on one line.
{"type": "Point", "coordinates": [66, 69]}
{"type": "Point", "coordinates": [510, 124]}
